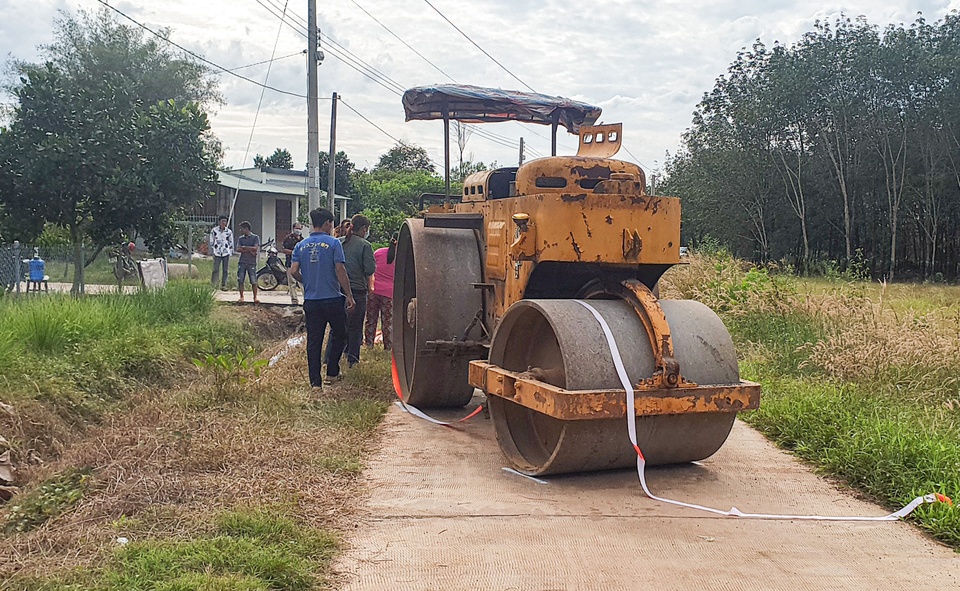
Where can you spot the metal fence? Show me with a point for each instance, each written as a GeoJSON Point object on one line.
{"type": "Point", "coordinates": [13, 264]}
{"type": "Point", "coordinates": [10, 267]}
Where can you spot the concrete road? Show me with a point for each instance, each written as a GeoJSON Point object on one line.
{"type": "Point", "coordinates": [441, 514]}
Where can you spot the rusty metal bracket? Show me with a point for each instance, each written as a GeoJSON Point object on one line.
{"type": "Point", "coordinates": [525, 390]}
{"type": "Point", "coordinates": [667, 369]}
{"type": "Point", "coordinates": [632, 244]}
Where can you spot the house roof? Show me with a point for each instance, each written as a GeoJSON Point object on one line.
{"type": "Point", "coordinates": [268, 180]}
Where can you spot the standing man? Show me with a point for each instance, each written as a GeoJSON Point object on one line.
{"type": "Point", "coordinates": [248, 245]}
{"type": "Point", "coordinates": [318, 263]}
{"type": "Point", "coordinates": [287, 246]}
{"type": "Point", "coordinates": [221, 246]}
{"type": "Point", "coordinates": [360, 266]}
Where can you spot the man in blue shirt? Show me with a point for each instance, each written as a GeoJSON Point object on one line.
{"type": "Point", "coordinates": [318, 265]}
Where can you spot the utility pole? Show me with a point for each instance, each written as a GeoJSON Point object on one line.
{"type": "Point", "coordinates": [521, 152]}
{"type": "Point", "coordinates": [313, 106]}
{"type": "Point", "coordinates": [332, 157]}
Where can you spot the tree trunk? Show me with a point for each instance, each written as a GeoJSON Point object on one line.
{"type": "Point", "coordinates": [78, 266]}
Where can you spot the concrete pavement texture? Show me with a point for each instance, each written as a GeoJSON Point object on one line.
{"type": "Point", "coordinates": [440, 513]}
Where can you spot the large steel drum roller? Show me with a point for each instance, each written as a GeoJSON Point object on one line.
{"type": "Point", "coordinates": [436, 328]}
{"type": "Point", "coordinates": [560, 342]}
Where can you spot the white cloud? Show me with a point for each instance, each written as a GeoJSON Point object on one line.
{"type": "Point", "coordinates": [647, 64]}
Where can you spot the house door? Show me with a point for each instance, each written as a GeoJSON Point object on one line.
{"type": "Point", "coordinates": [284, 221]}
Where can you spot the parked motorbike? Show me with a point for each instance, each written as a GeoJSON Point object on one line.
{"type": "Point", "coordinates": [274, 272]}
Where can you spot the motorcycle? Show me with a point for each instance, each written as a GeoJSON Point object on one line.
{"type": "Point", "coordinates": [273, 273]}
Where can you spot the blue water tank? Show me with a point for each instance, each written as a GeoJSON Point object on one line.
{"type": "Point", "coordinates": [37, 269]}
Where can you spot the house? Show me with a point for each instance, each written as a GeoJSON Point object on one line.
{"type": "Point", "coordinates": [269, 198]}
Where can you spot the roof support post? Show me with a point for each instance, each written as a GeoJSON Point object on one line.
{"type": "Point", "coordinates": [446, 152]}
{"type": "Point", "coordinates": [553, 134]}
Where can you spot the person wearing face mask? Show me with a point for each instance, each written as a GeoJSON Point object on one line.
{"type": "Point", "coordinates": [360, 264]}
{"type": "Point", "coordinates": [286, 247]}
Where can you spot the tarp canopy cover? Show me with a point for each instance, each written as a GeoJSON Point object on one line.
{"type": "Point", "coordinates": [473, 104]}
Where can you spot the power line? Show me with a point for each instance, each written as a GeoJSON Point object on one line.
{"type": "Point", "coordinates": [452, 79]}
{"type": "Point", "coordinates": [435, 66]}
{"type": "Point", "coordinates": [478, 47]}
{"type": "Point", "coordinates": [269, 61]}
{"type": "Point", "coordinates": [362, 116]}
{"type": "Point", "coordinates": [297, 23]}
{"type": "Point", "coordinates": [256, 115]}
{"type": "Point", "coordinates": [353, 61]}
{"type": "Point", "coordinates": [338, 51]}
{"type": "Point", "coordinates": [197, 56]}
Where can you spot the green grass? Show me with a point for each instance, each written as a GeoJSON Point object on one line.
{"type": "Point", "coordinates": [100, 271]}
{"type": "Point", "coordinates": [341, 463]}
{"type": "Point", "coordinates": [51, 498]}
{"type": "Point", "coordinates": [887, 424]}
{"type": "Point", "coordinates": [65, 361]}
{"type": "Point", "coordinates": [890, 450]}
{"type": "Point", "coordinates": [360, 415]}
{"type": "Point", "coordinates": [250, 549]}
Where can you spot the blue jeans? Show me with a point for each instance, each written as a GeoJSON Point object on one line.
{"type": "Point", "coordinates": [317, 314]}
{"type": "Point", "coordinates": [354, 334]}
{"type": "Point", "coordinates": [218, 263]}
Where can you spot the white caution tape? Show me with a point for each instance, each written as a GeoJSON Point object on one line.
{"type": "Point", "coordinates": [422, 415]}
{"type": "Point", "coordinates": [527, 476]}
{"type": "Point", "coordinates": [733, 512]}
{"type": "Point", "coordinates": [416, 411]}
{"type": "Point", "coordinates": [293, 342]}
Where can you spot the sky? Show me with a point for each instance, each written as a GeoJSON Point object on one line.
{"type": "Point", "coordinates": [646, 64]}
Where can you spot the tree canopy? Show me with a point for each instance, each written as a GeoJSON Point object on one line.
{"type": "Point", "coordinates": [281, 158]}
{"type": "Point", "coordinates": [845, 144]}
{"type": "Point", "coordinates": [108, 137]}
{"type": "Point", "coordinates": [405, 157]}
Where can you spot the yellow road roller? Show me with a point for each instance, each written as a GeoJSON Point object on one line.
{"type": "Point", "coordinates": [488, 288]}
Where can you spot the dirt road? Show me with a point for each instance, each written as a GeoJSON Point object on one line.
{"type": "Point", "coordinates": [443, 515]}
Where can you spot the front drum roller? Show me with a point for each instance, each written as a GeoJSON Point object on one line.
{"type": "Point", "coordinates": [561, 343]}
{"type": "Point", "coordinates": [435, 304]}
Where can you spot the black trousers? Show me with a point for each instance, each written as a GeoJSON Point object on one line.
{"type": "Point", "coordinates": [354, 337]}
{"type": "Point", "coordinates": [317, 315]}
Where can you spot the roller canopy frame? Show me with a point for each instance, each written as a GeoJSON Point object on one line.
{"type": "Point", "coordinates": [473, 104]}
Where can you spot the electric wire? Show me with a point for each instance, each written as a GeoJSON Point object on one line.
{"type": "Point", "coordinates": [256, 116]}
{"type": "Point", "coordinates": [380, 129]}
{"type": "Point", "coordinates": [435, 66]}
{"type": "Point", "coordinates": [337, 50]}
{"type": "Point", "coordinates": [197, 56]}
{"type": "Point", "coordinates": [276, 59]}
{"type": "Point", "coordinates": [504, 68]}
{"type": "Point", "coordinates": [451, 78]}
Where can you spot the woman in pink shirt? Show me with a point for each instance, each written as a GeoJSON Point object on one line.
{"type": "Point", "coordinates": [380, 301]}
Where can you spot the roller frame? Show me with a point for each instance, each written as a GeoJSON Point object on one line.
{"type": "Point", "coordinates": [573, 405]}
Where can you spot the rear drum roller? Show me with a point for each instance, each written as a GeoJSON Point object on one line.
{"type": "Point", "coordinates": [561, 343]}
{"type": "Point", "coordinates": [434, 306]}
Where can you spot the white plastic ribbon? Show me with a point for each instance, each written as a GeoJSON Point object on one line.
{"type": "Point", "coordinates": [292, 342]}
{"type": "Point", "coordinates": [422, 415]}
{"type": "Point", "coordinates": [733, 511]}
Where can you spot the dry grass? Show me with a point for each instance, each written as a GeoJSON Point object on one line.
{"type": "Point", "coordinates": [903, 334]}
{"type": "Point", "coordinates": [166, 466]}
{"type": "Point", "coordinates": [862, 379]}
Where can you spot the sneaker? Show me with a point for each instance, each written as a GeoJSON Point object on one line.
{"type": "Point", "coordinates": [331, 380]}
